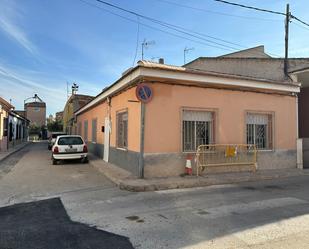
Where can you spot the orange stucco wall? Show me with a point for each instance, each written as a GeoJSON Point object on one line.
{"type": "Point", "coordinates": [99, 112]}
{"type": "Point", "coordinates": [163, 115]}
{"type": "Point", "coordinates": [118, 103]}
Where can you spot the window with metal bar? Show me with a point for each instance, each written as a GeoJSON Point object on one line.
{"type": "Point", "coordinates": [79, 128]}
{"type": "Point", "coordinates": [122, 130]}
{"type": "Point", "coordinates": [94, 130]}
{"type": "Point", "coordinates": [86, 130]}
{"type": "Point", "coordinates": [259, 130]}
{"type": "Point", "coordinates": [197, 129]}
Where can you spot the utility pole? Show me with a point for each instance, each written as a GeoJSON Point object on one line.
{"type": "Point", "coordinates": [287, 23]}
{"type": "Point", "coordinates": [185, 51]}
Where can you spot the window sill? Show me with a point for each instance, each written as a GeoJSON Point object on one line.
{"type": "Point", "coordinates": [265, 150]}
{"type": "Point", "coordinates": [123, 149]}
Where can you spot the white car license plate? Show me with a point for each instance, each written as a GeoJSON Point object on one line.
{"type": "Point", "coordinates": [71, 150]}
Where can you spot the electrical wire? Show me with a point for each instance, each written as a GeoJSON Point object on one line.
{"type": "Point", "coordinates": [297, 19]}
{"type": "Point", "coordinates": [301, 26]}
{"type": "Point", "coordinates": [251, 7]}
{"type": "Point", "coordinates": [217, 12]}
{"type": "Point", "coordinates": [154, 28]}
{"type": "Point", "coordinates": [176, 28]}
{"type": "Point", "coordinates": [263, 10]}
{"type": "Point", "coordinates": [137, 42]}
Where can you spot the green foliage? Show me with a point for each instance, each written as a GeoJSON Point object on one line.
{"type": "Point", "coordinates": [55, 126]}
{"type": "Point", "coordinates": [34, 129]}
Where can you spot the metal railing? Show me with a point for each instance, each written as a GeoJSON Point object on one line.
{"type": "Point", "coordinates": [212, 155]}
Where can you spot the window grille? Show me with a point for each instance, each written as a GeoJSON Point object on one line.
{"type": "Point", "coordinates": [197, 129]}
{"type": "Point", "coordinates": [94, 130]}
{"type": "Point", "coordinates": [259, 130]}
{"type": "Point", "coordinates": [79, 128]}
{"type": "Point", "coordinates": [122, 130]}
{"type": "Point", "coordinates": [86, 130]}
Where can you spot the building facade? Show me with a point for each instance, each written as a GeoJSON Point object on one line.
{"type": "Point", "coordinates": [189, 107]}
{"type": "Point", "coordinates": [59, 116]}
{"type": "Point", "coordinates": [17, 129]}
{"type": "Point", "coordinates": [36, 113]}
{"type": "Point", "coordinates": [5, 109]}
{"type": "Point", "coordinates": [75, 102]}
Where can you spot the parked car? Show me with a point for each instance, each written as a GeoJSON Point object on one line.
{"type": "Point", "coordinates": [69, 147]}
{"type": "Point", "coordinates": [53, 137]}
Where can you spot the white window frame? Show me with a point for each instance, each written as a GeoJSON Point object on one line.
{"type": "Point", "coordinates": [86, 127]}
{"type": "Point", "coordinates": [211, 122]}
{"type": "Point", "coordinates": [270, 132]}
{"type": "Point", "coordinates": [94, 130]}
{"type": "Point", "coordinates": [118, 145]}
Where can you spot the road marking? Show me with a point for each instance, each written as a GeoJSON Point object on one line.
{"type": "Point", "coordinates": [242, 208]}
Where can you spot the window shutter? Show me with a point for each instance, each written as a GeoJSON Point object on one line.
{"type": "Point", "coordinates": [197, 116]}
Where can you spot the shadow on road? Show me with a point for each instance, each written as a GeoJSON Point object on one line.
{"type": "Point", "coordinates": [45, 224]}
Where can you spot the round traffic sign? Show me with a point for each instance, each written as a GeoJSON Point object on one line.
{"type": "Point", "coordinates": [144, 93]}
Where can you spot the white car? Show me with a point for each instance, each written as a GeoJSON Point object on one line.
{"type": "Point", "coordinates": [69, 147]}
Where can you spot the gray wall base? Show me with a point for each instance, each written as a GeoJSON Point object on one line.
{"type": "Point", "coordinates": [173, 164]}
{"type": "Point", "coordinates": [125, 159]}
{"type": "Point", "coordinates": [96, 149]}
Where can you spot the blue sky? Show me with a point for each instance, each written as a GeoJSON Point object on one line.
{"type": "Point", "coordinates": [45, 44]}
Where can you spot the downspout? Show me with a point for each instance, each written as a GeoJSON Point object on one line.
{"type": "Point", "coordinates": [142, 142]}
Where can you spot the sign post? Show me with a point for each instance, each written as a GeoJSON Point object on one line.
{"type": "Point", "coordinates": [144, 94]}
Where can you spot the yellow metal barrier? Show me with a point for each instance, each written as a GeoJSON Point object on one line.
{"type": "Point", "coordinates": [211, 155]}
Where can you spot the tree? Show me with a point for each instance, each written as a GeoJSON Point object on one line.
{"type": "Point", "coordinates": [55, 126]}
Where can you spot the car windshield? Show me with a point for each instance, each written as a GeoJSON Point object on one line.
{"type": "Point", "coordinates": [56, 135]}
{"type": "Point", "coordinates": [70, 141]}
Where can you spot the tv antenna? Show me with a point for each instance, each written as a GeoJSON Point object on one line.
{"type": "Point", "coordinates": [74, 88]}
{"type": "Point", "coordinates": [185, 51]}
{"type": "Point", "coordinates": [145, 45]}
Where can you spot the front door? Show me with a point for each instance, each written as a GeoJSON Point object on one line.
{"type": "Point", "coordinates": [106, 139]}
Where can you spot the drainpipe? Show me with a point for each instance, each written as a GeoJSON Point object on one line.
{"type": "Point", "coordinates": [142, 140]}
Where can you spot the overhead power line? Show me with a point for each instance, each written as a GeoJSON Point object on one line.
{"type": "Point", "coordinates": [263, 10]}
{"type": "Point", "coordinates": [301, 26]}
{"type": "Point", "coordinates": [182, 30]}
{"type": "Point", "coordinates": [251, 7]}
{"type": "Point", "coordinates": [217, 12]}
{"type": "Point", "coordinates": [154, 28]}
{"type": "Point", "coordinates": [297, 19]}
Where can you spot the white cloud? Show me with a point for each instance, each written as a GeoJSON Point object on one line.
{"type": "Point", "coordinates": [9, 19]}
{"type": "Point", "coordinates": [18, 84]}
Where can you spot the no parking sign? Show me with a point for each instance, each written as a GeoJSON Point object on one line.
{"type": "Point", "coordinates": [144, 93]}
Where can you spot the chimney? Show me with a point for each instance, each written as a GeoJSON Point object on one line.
{"type": "Point", "coordinates": [161, 61]}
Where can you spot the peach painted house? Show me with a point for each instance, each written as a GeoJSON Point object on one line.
{"type": "Point", "coordinates": [189, 107]}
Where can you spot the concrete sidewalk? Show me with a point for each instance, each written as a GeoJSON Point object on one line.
{"type": "Point", "coordinates": [4, 155]}
{"type": "Point", "coordinates": [125, 180]}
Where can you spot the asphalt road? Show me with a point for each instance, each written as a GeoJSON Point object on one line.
{"type": "Point", "coordinates": [268, 214]}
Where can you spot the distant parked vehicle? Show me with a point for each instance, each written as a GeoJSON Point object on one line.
{"type": "Point", "coordinates": [53, 137]}
{"type": "Point", "coordinates": [69, 147]}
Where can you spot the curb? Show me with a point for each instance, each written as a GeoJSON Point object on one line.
{"type": "Point", "coordinates": [143, 185]}
{"type": "Point", "coordinates": [14, 151]}
{"type": "Point", "coordinates": [139, 186]}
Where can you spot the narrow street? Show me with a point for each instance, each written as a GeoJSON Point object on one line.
{"type": "Point", "coordinates": [268, 214]}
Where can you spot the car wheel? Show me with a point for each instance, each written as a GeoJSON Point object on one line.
{"type": "Point", "coordinates": [85, 160]}
{"type": "Point", "coordinates": [55, 162]}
